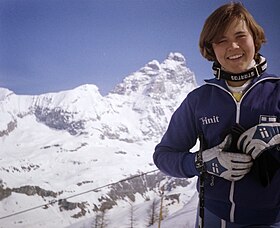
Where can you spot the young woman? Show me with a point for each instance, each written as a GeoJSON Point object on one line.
{"type": "Point", "coordinates": [236, 116]}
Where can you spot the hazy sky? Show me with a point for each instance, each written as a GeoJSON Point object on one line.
{"type": "Point", "coordinates": [54, 45]}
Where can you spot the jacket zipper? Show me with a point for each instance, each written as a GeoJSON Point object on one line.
{"type": "Point", "coordinates": [237, 118]}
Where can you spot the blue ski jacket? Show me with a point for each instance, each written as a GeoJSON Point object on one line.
{"type": "Point", "coordinates": [211, 110]}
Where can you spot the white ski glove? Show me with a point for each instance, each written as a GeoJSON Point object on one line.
{"type": "Point", "coordinates": [259, 138]}
{"type": "Point", "coordinates": [230, 166]}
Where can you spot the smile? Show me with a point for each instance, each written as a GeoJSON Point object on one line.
{"type": "Point", "coordinates": [233, 57]}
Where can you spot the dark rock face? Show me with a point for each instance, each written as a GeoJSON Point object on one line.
{"type": "Point", "coordinates": [59, 119]}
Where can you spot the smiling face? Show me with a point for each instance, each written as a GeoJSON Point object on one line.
{"type": "Point", "coordinates": [235, 50]}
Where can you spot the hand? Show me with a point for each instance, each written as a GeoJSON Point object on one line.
{"type": "Point", "coordinates": [230, 166]}
{"type": "Point", "coordinates": [259, 138]}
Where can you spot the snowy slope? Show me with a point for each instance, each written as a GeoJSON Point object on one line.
{"type": "Point", "coordinates": [59, 149]}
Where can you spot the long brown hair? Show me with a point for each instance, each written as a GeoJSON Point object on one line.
{"type": "Point", "coordinates": [217, 23]}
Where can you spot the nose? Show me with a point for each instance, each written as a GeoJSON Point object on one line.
{"type": "Point", "coordinates": [234, 45]}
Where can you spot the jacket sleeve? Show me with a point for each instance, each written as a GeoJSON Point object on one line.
{"type": "Point", "coordinates": [172, 155]}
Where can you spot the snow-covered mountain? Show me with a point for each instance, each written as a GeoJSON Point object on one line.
{"type": "Point", "coordinates": [66, 157]}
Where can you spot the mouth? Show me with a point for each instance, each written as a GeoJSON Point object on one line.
{"type": "Point", "coordinates": [234, 57]}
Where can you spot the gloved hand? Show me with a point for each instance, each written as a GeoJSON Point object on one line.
{"type": "Point", "coordinates": [229, 165]}
{"type": "Point", "coordinates": [259, 138]}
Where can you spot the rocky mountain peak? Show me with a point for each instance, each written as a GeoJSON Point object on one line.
{"type": "Point", "coordinates": [147, 96]}
{"type": "Point", "coordinates": [155, 76]}
{"type": "Point", "coordinates": [178, 57]}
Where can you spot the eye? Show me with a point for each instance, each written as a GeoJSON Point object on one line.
{"type": "Point", "coordinates": [221, 41]}
{"type": "Point", "coordinates": [240, 36]}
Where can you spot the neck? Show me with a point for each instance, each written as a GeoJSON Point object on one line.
{"type": "Point", "coordinates": [236, 83]}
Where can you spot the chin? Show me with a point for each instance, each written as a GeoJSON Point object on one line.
{"type": "Point", "coordinates": [237, 70]}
